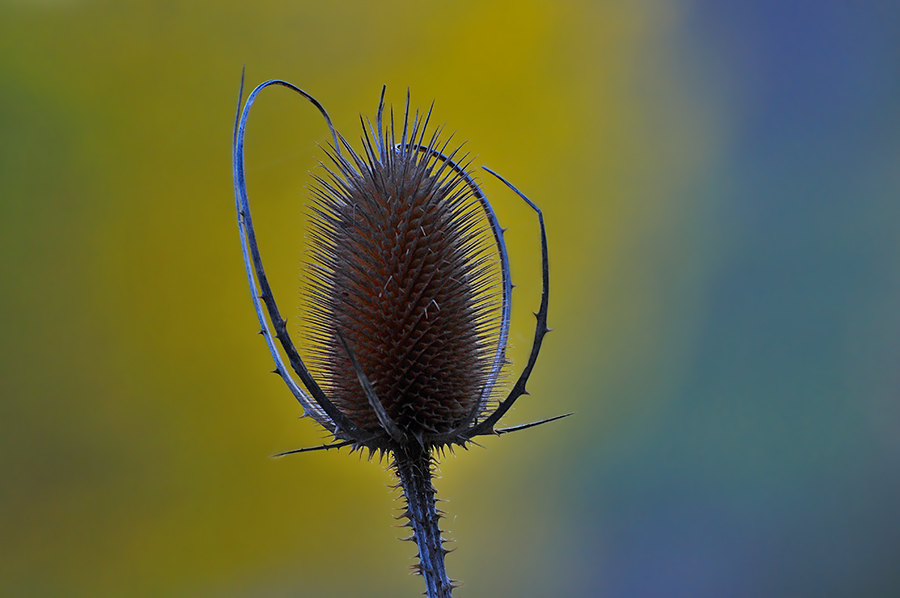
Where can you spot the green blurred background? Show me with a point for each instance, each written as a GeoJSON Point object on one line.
{"type": "Point", "coordinates": [720, 185]}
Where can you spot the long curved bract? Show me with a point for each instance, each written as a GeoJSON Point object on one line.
{"type": "Point", "coordinates": [487, 425]}
{"type": "Point", "coordinates": [318, 405]}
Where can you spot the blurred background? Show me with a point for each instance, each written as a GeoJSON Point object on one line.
{"type": "Point", "coordinates": [720, 184]}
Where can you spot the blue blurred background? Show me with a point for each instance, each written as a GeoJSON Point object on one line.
{"type": "Point", "coordinates": [720, 183]}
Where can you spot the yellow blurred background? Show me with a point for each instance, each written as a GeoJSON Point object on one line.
{"type": "Point", "coordinates": [138, 414]}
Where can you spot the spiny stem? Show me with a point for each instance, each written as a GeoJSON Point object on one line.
{"type": "Point", "coordinates": [413, 466]}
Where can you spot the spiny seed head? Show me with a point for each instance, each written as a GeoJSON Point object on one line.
{"type": "Point", "coordinates": [402, 268]}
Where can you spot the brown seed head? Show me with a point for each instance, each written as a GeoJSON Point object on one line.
{"type": "Point", "coordinates": [402, 265]}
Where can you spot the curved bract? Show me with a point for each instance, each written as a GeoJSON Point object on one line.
{"type": "Point", "coordinates": [318, 406]}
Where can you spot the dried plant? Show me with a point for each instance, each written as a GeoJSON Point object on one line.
{"type": "Point", "coordinates": [409, 306]}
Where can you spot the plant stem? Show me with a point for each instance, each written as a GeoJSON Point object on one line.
{"type": "Point", "coordinates": [413, 466]}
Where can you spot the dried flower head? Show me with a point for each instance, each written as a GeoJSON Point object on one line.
{"type": "Point", "coordinates": [408, 305]}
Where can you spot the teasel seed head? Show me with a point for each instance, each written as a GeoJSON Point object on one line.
{"type": "Point", "coordinates": [402, 269]}
{"type": "Point", "coordinates": [408, 309]}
